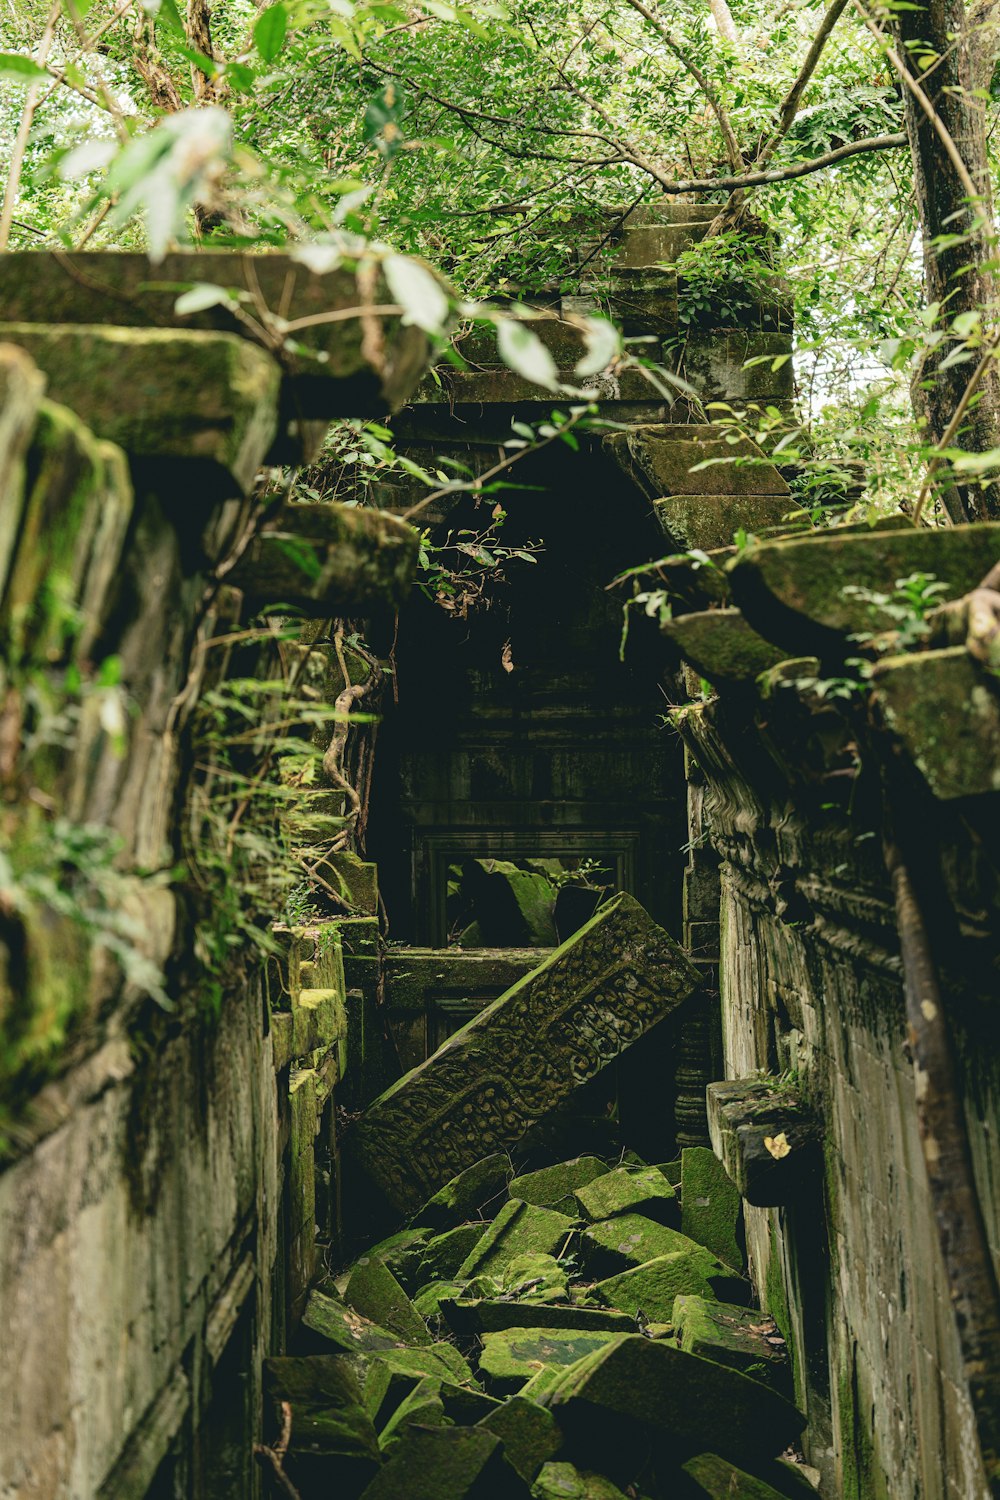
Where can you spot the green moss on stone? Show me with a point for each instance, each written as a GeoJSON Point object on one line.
{"type": "Point", "coordinates": [518, 1229]}
{"type": "Point", "coordinates": [718, 1479]}
{"type": "Point", "coordinates": [651, 1289]}
{"type": "Point", "coordinates": [553, 1187]}
{"type": "Point", "coordinates": [374, 1292]}
{"type": "Point", "coordinates": [513, 1355]}
{"type": "Point", "coordinates": [467, 1194]}
{"type": "Point", "coordinates": [446, 1255]}
{"type": "Point", "coordinates": [529, 1433]}
{"type": "Point", "coordinates": [711, 1208]}
{"type": "Point", "coordinates": [642, 1190]}
{"type": "Point", "coordinates": [564, 1481]}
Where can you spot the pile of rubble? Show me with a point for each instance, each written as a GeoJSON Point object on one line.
{"type": "Point", "coordinates": [578, 1332]}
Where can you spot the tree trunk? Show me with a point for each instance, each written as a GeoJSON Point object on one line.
{"type": "Point", "coordinates": [941, 28]}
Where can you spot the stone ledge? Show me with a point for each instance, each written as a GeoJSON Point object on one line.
{"type": "Point", "coordinates": [767, 1139]}
{"type": "Point", "coordinates": [659, 459]}
{"type": "Point", "coordinates": [945, 710]}
{"type": "Point", "coordinates": [123, 289]}
{"type": "Point", "coordinates": [721, 647]}
{"type": "Point", "coordinates": [208, 400]}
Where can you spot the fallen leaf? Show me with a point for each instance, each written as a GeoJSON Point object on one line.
{"type": "Point", "coordinates": [777, 1145]}
{"type": "Point", "coordinates": [507, 657]}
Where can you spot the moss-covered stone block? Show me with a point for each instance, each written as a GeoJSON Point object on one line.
{"type": "Point", "coordinates": [628, 1240]}
{"type": "Point", "coordinates": [374, 1292]}
{"type": "Point", "coordinates": [796, 591]}
{"type": "Point", "coordinates": [445, 1254]}
{"type": "Point", "coordinates": [333, 371]}
{"type": "Point", "coordinates": [944, 710]}
{"type": "Point", "coordinates": [474, 1191]}
{"type": "Point", "coordinates": [319, 1021]}
{"type": "Point", "coordinates": [707, 523]}
{"type": "Point", "coordinates": [553, 1187]}
{"type": "Point", "coordinates": [738, 1336]}
{"type": "Point", "coordinates": [477, 1315]}
{"type": "Point", "coordinates": [326, 559]}
{"type": "Point", "coordinates": [390, 1373]}
{"type": "Point", "coordinates": [651, 1289]}
{"type": "Point", "coordinates": [767, 1138]}
{"type": "Point", "coordinates": [429, 1298]}
{"type": "Point", "coordinates": [529, 1434]}
{"type": "Point", "coordinates": [64, 554]}
{"type": "Point", "coordinates": [523, 1056]}
{"type": "Point", "coordinates": [629, 1190]}
{"type": "Point", "coordinates": [454, 1462]}
{"type": "Point", "coordinates": [635, 1383]}
{"type": "Point", "coordinates": [403, 1253]}
{"type": "Point", "coordinates": [422, 1405]}
{"type": "Point", "coordinates": [22, 386]}
{"type": "Point", "coordinates": [513, 1355]}
{"type": "Point", "coordinates": [518, 1229]}
{"type": "Point", "coordinates": [208, 401]}
{"type": "Point", "coordinates": [334, 1326]}
{"type": "Point", "coordinates": [330, 1426]}
{"type": "Point", "coordinates": [564, 1481]}
{"type": "Point", "coordinates": [717, 1479]}
{"type": "Point", "coordinates": [739, 365]}
{"type": "Point", "coordinates": [668, 459]}
{"type": "Point", "coordinates": [531, 1277]}
{"type": "Point", "coordinates": [711, 1209]}
{"type": "Point", "coordinates": [722, 647]}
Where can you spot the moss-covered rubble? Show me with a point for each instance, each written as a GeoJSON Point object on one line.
{"type": "Point", "coordinates": [521, 1373]}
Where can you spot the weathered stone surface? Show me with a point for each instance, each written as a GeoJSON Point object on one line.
{"type": "Point", "coordinates": [708, 522]}
{"type": "Point", "coordinates": [721, 647]}
{"type": "Point", "coordinates": [422, 1405]}
{"type": "Point", "coordinates": [62, 538]}
{"type": "Point", "coordinates": [660, 460]}
{"type": "Point", "coordinates": [715, 364]}
{"type": "Point", "coordinates": [943, 708]}
{"type": "Point", "coordinates": [327, 559]}
{"type": "Point", "coordinates": [535, 1276]}
{"type": "Point", "coordinates": [519, 1229]}
{"type": "Point", "coordinates": [375, 1293]}
{"type": "Point", "coordinates": [447, 1464]}
{"type": "Point", "coordinates": [714, 1477]}
{"type": "Point", "coordinates": [711, 1210]}
{"type": "Point", "coordinates": [330, 1426]}
{"type": "Point", "coordinates": [564, 1481]}
{"type": "Point", "coordinates": [514, 908]}
{"type": "Point", "coordinates": [403, 1253]}
{"type": "Point", "coordinates": [479, 1315]}
{"type": "Point", "coordinates": [331, 1323]}
{"type": "Point", "coordinates": [444, 1255]}
{"type": "Point", "coordinates": [390, 1373]}
{"type": "Point", "coordinates": [332, 372]}
{"type": "Point", "coordinates": [629, 1240]}
{"type": "Point", "coordinates": [554, 1187]}
{"type": "Point", "coordinates": [529, 1434]}
{"type": "Point", "coordinates": [513, 1355]}
{"type": "Point", "coordinates": [638, 1382]}
{"type": "Point", "coordinates": [430, 1297]}
{"type": "Point", "coordinates": [207, 399]}
{"type": "Point", "coordinates": [767, 1138]}
{"type": "Point", "coordinates": [467, 1194]}
{"type": "Point", "coordinates": [653, 1287]}
{"type": "Point", "coordinates": [793, 591]}
{"type": "Point", "coordinates": [511, 1066]}
{"type": "Point", "coordinates": [22, 386]}
{"type": "Point", "coordinates": [642, 1190]}
{"type": "Point", "coordinates": [738, 1336]}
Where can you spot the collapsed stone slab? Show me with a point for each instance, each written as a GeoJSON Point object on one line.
{"type": "Point", "coordinates": [512, 1065]}
{"type": "Point", "coordinates": [460, 1463]}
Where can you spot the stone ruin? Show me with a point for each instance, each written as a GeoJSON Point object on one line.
{"type": "Point", "coordinates": [572, 1148]}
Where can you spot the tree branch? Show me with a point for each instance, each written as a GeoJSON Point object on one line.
{"type": "Point", "coordinates": [785, 174]}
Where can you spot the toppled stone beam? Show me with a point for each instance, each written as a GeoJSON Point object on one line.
{"type": "Point", "coordinates": [327, 559]}
{"type": "Point", "coordinates": [519, 1059]}
{"type": "Point", "coordinates": [706, 522]}
{"type": "Point", "coordinates": [662, 459]}
{"type": "Point", "coordinates": [721, 646]}
{"type": "Point", "coordinates": [767, 1138]}
{"type": "Point", "coordinates": [207, 399]}
{"type": "Point", "coordinates": [945, 709]}
{"type": "Point", "coordinates": [334, 369]}
{"type": "Point", "coordinates": [796, 592]}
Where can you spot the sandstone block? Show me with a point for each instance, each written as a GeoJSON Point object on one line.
{"type": "Point", "coordinates": [717, 1479]}
{"type": "Point", "coordinates": [529, 1433]}
{"type": "Point", "coordinates": [707, 522]}
{"type": "Point", "coordinates": [652, 1288]}
{"type": "Point", "coordinates": [512, 1356]}
{"type": "Point", "coordinates": [519, 1229]}
{"type": "Point", "coordinates": [422, 1405]}
{"type": "Point", "coordinates": [642, 1190]}
{"type": "Point", "coordinates": [664, 459]}
{"type": "Point", "coordinates": [564, 1481]}
{"type": "Point", "coordinates": [375, 1293]}
{"type": "Point", "coordinates": [554, 1187]}
{"type": "Point", "coordinates": [465, 1315]}
{"type": "Point", "coordinates": [741, 1337]}
{"type": "Point", "coordinates": [467, 1194]}
{"type": "Point", "coordinates": [711, 1211]}
{"type": "Point", "coordinates": [767, 1138]}
{"type": "Point", "coordinates": [444, 1463]}
{"type": "Point", "coordinates": [445, 1254]}
{"type": "Point", "coordinates": [627, 1240]}
{"type": "Point", "coordinates": [507, 1069]}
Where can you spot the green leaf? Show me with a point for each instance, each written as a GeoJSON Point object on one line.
{"type": "Point", "coordinates": [203, 294]}
{"type": "Point", "coordinates": [524, 352]}
{"type": "Point", "coordinates": [240, 77]}
{"type": "Point", "coordinates": [603, 343]}
{"type": "Point", "coordinates": [418, 292]}
{"type": "Point", "coordinates": [20, 69]}
{"type": "Point", "coordinates": [270, 31]}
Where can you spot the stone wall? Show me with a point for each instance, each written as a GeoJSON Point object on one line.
{"type": "Point", "coordinates": [168, 1167]}
{"type": "Point", "coordinates": [790, 779]}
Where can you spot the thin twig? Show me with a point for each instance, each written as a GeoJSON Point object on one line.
{"type": "Point", "coordinates": [31, 103]}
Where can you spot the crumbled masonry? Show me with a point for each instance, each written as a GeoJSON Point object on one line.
{"type": "Point", "coordinates": [526, 1375]}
